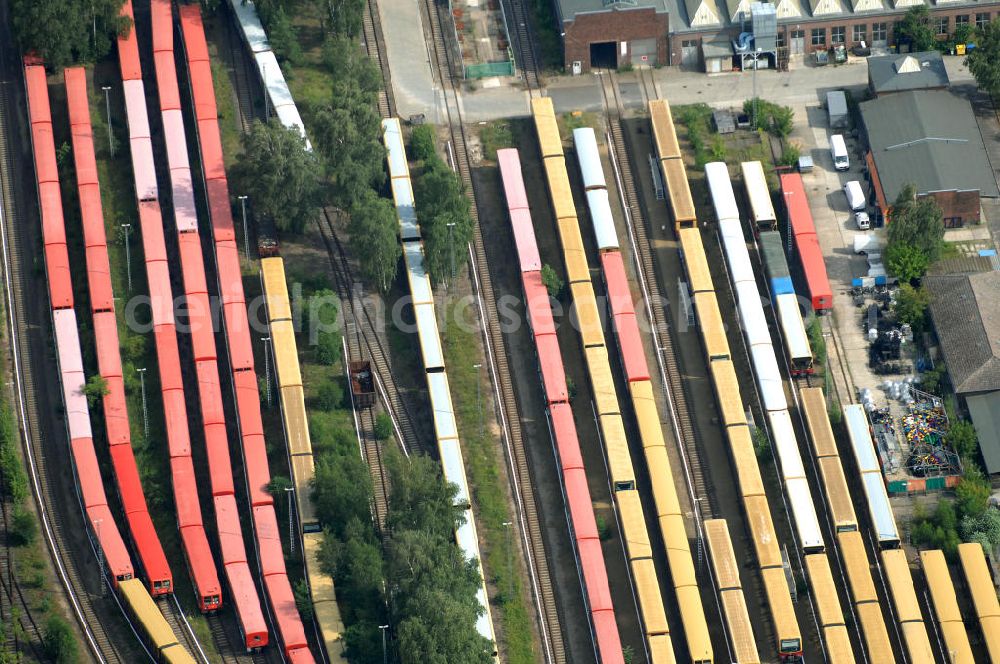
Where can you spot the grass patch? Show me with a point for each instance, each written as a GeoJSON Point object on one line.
{"type": "Point", "coordinates": [310, 86]}
{"type": "Point", "coordinates": [495, 136]}
{"type": "Point", "coordinates": [229, 120]}
{"type": "Point", "coordinates": [480, 449]}
{"type": "Point", "coordinates": [950, 250]}
{"type": "Point", "coordinates": [697, 120]}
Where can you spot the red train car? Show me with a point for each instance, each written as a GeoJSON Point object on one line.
{"type": "Point", "coordinates": [800, 222]}
{"type": "Point", "coordinates": [579, 506]}
{"type": "Point", "coordinates": [128, 49]}
{"type": "Point", "coordinates": [629, 340]}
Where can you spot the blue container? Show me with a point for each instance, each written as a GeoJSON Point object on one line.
{"type": "Point", "coordinates": [782, 286]}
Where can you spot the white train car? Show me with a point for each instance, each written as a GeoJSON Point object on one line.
{"type": "Point", "coordinates": [446, 430]}
{"type": "Point", "coordinates": [763, 360]}
{"type": "Point", "coordinates": [755, 185]}
{"type": "Point", "coordinates": [866, 459]}
{"type": "Point", "coordinates": [598, 203]}
{"type": "Point", "coordinates": [272, 78]}
{"type": "Point", "coordinates": [797, 346]}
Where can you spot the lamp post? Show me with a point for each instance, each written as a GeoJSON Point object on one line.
{"type": "Point", "coordinates": [263, 75]}
{"type": "Point", "coordinates": [451, 252]}
{"type": "Point", "coordinates": [246, 238]}
{"type": "Point", "coordinates": [107, 105]}
{"type": "Point", "coordinates": [145, 412]}
{"type": "Point", "coordinates": [100, 552]}
{"type": "Point", "coordinates": [289, 490]}
{"type": "Point", "coordinates": [385, 653]}
{"type": "Point", "coordinates": [479, 403]}
{"type": "Point", "coordinates": [756, 54]}
{"type": "Point", "coordinates": [128, 256]}
{"type": "Point", "coordinates": [267, 369]}
{"type": "Point", "coordinates": [510, 555]}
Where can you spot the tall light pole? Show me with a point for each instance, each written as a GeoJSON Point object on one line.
{"type": "Point", "coordinates": [451, 252]}
{"type": "Point", "coordinates": [385, 653]}
{"type": "Point", "coordinates": [263, 73]}
{"type": "Point", "coordinates": [479, 403]}
{"type": "Point", "coordinates": [111, 135]}
{"type": "Point", "coordinates": [128, 256]}
{"type": "Point", "coordinates": [289, 490]}
{"type": "Point", "coordinates": [756, 55]}
{"type": "Point", "coordinates": [246, 238]}
{"type": "Point", "coordinates": [100, 552]}
{"type": "Point", "coordinates": [510, 555]}
{"type": "Point", "coordinates": [267, 369]}
{"type": "Point", "coordinates": [145, 412]}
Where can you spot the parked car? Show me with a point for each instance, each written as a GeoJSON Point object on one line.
{"type": "Point", "coordinates": [862, 220]}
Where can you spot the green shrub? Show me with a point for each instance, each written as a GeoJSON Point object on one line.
{"type": "Point", "coordinates": [383, 426]}
{"type": "Point", "coordinates": [329, 394]}
{"type": "Point", "coordinates": [553, 284]}
{"type": "Point", "coordinates": [422, 142]}
{"type": "Point", "coordinates": [24, 529]}
{"type": "Point", "coordinates": [58, 641]}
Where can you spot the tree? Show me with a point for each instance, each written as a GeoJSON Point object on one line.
{"type": "Point", "coordinates": [445, 221]}
{"type": "Point", "coordinates": [278, 485]}
{"type": "Point", "coordinates": [24, 528]}
{"type": "Point", "coordinates": [553, 284]}
{"type": "Point", "coordinates": [373, 228]}
{"type": "Point", "coordinates": [95, 389]}
{"type": "Point", "coordinates": [984, 60]}
{"type": "Point", "coordinates": [916, 235]}
{"type": "Point", "coordinates": [281, 34]}
{"type": "Point", "coordinates": [962, 438]}
{"type": "Point", "coordinates": [58, 641]}
{"type": "Point", "coordinates": [911, 306]}
{"type": "Point", "coordinates": [972, 492]}
{"type": "Point", "coordinates": [346, 16]}
{"type": "Point", "coordinates": [915, 29]}
{"type": "Point", "coordinates": [329, 394]}
{"type": "Point", "coordinates": [69, 31]}
{"type": "Point", "coordinates": [283, 177]}
{"type": "Point", "coordinates": [420, 498]}
{"type": "Point", "coordinates": [383, 426]}
{"type": "Point", "coordinates": [342, 490]}
{"type": "Point", "coordinates": [324, 326]}
{"type": "Point", "coordinates": [422, 143]}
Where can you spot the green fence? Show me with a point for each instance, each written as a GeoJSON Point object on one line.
{"type": "Point", "coordinates": [486, 69]}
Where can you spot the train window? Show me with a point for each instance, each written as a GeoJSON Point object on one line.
{"type": "Point", "coordinates": [628, 485]}
{"type": "Point", "coordinates": [791, 645]}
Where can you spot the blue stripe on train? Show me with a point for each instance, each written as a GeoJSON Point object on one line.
{"type": "Point", "coordinates": [782, 286]}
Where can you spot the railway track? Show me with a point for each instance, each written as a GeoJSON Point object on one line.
{"type": "Point", "coordinates": [373, 36]}
{"type": "Point", "coordinates": [20, 262]}
{"type": "Point", "coordinates": [525, 59]}
{"type": "Point", "coordinates": [666, 356]}
{"type": "Point", "coordinates": [529, 525]}
{"type": "Point", "coordinates": [13, 606]}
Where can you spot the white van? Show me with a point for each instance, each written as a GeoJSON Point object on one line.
{"type": "Point", "coordinates": [855, 196]}
{"type": "Point", "coordinates": [838, 148]}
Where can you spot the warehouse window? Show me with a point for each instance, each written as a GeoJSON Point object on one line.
{"type": "Point", "coordinates": [838, 35]}
{"type": "Point", "coordinates": [860, 33]}
{"type": "Point", "coordinates": [942, 25]}
{"type": "Point", "coordinates": [819, 37]}
{"type": "Point", "coordinates": [982, 19]}
{"type": "Point", "coordinates": [952, 222]}
{"type": "Point", "coordinates": [961, 19]}
{"type": "Point", "coordinates": [880, 31]}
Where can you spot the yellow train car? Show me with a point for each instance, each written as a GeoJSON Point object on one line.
{"type": "Point", "coordinates": [824, 590]}
{"type": "Point", "coordinates": [664, 131]}
{"type": "Point", "coordinates": [661, 649]}
{"type": "Point", "coordinates": [176, 654]}
{"type": "Point", "coordinates": [286, 356]}
{"type": "Point", "coordinates": [917, 643]}
{"type": "Point", "coordinates": [818, 422]}
{"type": "Point", "coordinates": [588, 319]}
{"type": "Point", "coordinates": [904, 596]}
{"type": "Point", "coordinates": [695, 629]}
{"type": "Point", "coordinates": [601, 381]}
{"type": "Point", "coordinates": [875, 632]}
{"type": "Point", "coordinates": [272, 272]}
{"type": "Point", "coordinates": [679, 193]}
{"type": "Point", "coordinates": [838, 645]}
{"type": "Point", "coordinates": [721, 555]}
{"type": "Point", "coordinates": [156, 631]}
{"type": "Point", "coordinates": [647, 589]}
{"type": "Point", "coordinates": [713, 332]}
{"type": "Point", "coordinates": [665, 497]}
{"type": "Point", "coordinates": [633, 525]}
{"type": "Point", "coordinates": [295, 422]}
{"type": "Point", "coordinates": [786, 625]}
{"type": "Point", "coordinates": [549, 140]}
{"type": "Point", "coordinates": [980, 587]}
{"type": "Point", "coordinates": [745, 461]}
{"type": "Point", "coordinates": [859, 575]}
{"type": "Point", "coordinates": [838, 496]}
{"type": "Point", "coordinates": [559, 189]}
{"type": "Point", "coordinates": [737, 617]}
{"type": "Point", "coordinates": [324, 598]}
{"type": "Point", "coordinates": [695, 261]}
{"type": "Point", "coordinates": [727, 393]}
{"type": "Point", "coordinates": [765, 541]}
{"type": "Point", "coordinates": [647, 415]}
{"type": "Point", "coordinates": [577, 267]}
{"type": "Point", "coordinates": [616, 447]}
{"type": "Point", "coordinates": [946, 611]}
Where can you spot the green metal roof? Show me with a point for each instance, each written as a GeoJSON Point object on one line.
{"type": "Point", "coordinates": [985, 412]}
{"type": "Point", "coordinates": [916, 71]}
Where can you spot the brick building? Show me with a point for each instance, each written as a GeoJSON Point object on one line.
{"type": "Point", "coordinates": [928, 138]}
{"type": "Point", "coordinates": [600, 33]}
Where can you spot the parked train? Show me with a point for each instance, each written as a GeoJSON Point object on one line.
{"type": "Point", "coordinates": [236, 333]}
{"type": "Point", "coordinates": [870, 471]}
{"type": "Point", "coordinates": [445, 426]}
{"type": "Point", "coordinates": [788, 637]}
{"type": "Point", "coordinates": [785, 303]}
{"type": "Point", "coordinates": [149, 552]}
{"type": "Point", "coordinates": [726, 571]}
{"type": "Point", "coordinates": [946, 612]}
{"type": "Point", "coordinates": [982, 588]}
{"type": "Point", "coordinates": [845, 523]}
{"type": "Point", "coordinates": [803, 230]}
{"type": "Point", "coordinates": [765, 364]}
{"type": "Point", "coordinates": [101, 526]}
{"type": "Point", "coordinates": [633, 360]}
{"type": "Point", "coordinates": [904, 597]}
{"type": "Point", "coordinates": [562, 428]}
{"type": "Point", "coordinates": [241, 587]}
{"type": "Point", "coordinates": [606, 406]}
